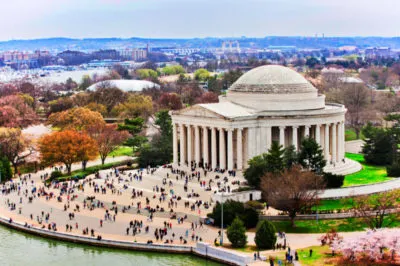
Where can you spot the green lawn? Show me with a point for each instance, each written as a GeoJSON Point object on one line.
{"type": "Point", "coordinates": [323, 226]}
{"type": "Point", "coordinates": [368, 175]}
{"type": "Point", "coordinates": [122, 151]}
{"type": "Point", "coordinates": [321, 255]}
{"type": "Point", "coordinates": [350, 134]}
{"type": "Point", "coordinates": [334, 204]}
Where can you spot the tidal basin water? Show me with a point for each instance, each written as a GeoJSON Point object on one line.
{"type": "Point", "coordinates": [18, 248]}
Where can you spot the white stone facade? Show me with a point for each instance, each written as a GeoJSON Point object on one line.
{"type": "Point", "coordinates": [266, 104]}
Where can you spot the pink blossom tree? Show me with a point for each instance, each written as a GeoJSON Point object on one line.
{"type": "Point", "coordinates": [374, 245]}
{"type": "Point", "coordinates": [15, 112]}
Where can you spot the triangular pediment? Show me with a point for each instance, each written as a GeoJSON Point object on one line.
{"type": "Point", "coordinates": [199, 111]}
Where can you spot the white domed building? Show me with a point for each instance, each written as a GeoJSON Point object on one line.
{"type": "Point", "coordinates": [269, 103]}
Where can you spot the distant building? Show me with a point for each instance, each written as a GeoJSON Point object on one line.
{"type": "Point", "coordinates": [378, 51]}
{"type": "Point", "coordinates": [106, 54]}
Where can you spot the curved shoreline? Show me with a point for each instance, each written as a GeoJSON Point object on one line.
{"type": "Point", "coordinates": [125, 245]}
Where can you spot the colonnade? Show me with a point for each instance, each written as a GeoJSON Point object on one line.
{"type": "Point", "coordinates": [231, 148]}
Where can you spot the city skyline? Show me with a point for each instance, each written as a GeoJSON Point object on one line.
{"type": "Point", "coordinates": [197, 18]}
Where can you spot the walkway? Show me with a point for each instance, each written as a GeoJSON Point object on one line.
{"type": "Point", "coordinates": [354, 146]}
{"type": "Point", "coordinates": [361, 190]}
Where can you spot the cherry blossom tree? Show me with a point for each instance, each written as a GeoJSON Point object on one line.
{"type": "Point", "coordinates": [15, 112]}
{"type": "Point", "coordinates": [373, 246]}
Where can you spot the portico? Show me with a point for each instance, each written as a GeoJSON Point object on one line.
{"type": "Point", "coordinates": [267, 104]}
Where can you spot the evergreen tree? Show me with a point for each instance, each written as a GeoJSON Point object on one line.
{"type": "Point", "coordinates": [159, 150]}
{"type": "Point", "coordinates": [275, 163]}
{"type": "Point", "coordinates": [236, 233]}
{"type": "Point", "coordinates": [257, 168]}
{"type": "Point", "coordinates": [5, 169]}
{"type": "Point", "coordinates": [265, 235]}
{"type": "Point", "coordinates": [134, 126]}
{"type": "Point", "coordinates": [378, 147]}
{"type": "Point", "coordinates": [311, 156]}
{"type": "Point", "coordinates": [290, 156]}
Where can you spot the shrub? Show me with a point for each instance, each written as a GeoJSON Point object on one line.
{"type": "Point", "coordinates": [232, 209]}
{"type": "Point", "coordinates": [265, 235]}
{"type": "Point", "coordinates": [254, 204]}
{"type": "Point", "coordinates": [236, 233]}
{"type": "Point", "coordinates": [55, 175]}
{"type": "Point", "coordinates": [5, 169]}
{"type": "Point", "coordinates": [393, 170]}
{"type": "Point", "coordinates": [333, 181]}
{"type": "Point", "coordinates": [250, 217]}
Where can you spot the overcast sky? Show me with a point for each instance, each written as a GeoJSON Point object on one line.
{"type": "Point", "coordinates": [26, 19]}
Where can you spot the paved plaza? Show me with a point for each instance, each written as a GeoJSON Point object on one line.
{"type": "Point", "coordinates": [137, 205]}
{"type": "Point", "coordinates": [115, 196]}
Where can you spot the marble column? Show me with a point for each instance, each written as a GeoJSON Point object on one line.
{"type": "Point", "coordinates": [239, 149]}
{"type": "Point", "coordinates": [340, 142]}
{"type": "Point", "coordinates": [182, 144]}
{"type": "Point", "coordinates": [269, 137]}
{"type": "Point", "coordinates": [334, 143]}
{"type": "Point", "coordinates": [222, 152]}
{"type": "Point", "coordinates": [306, 131]}
{"type": "Point", "coordinates": [213, 147]}
{"type": "Point", "coordinates": [205, 145]}
{"type": "Point", "coordinates": [318, 134]}
{"type": "Point", "coordinates": [250, 142]}
{"type": "Point", "coordinates": [282, 136]}
{"type": "Point", "coordinates": [326, 142]}
{"type": "Point", "coordinates": [263, 139]}
{"type": "Point", "coordinates": [294, 137]}
{"type": "Point", "coordinates": [189, 144]}
{"type": "Point", "coordinates": [175, 144]}
{"type": "Point", "coordinates": [230, 149]}
{"type": "Point", "coordinates": [343, 140]}
{"type": "Point", "coordinates": [197, 144]}
{"type": "Point", "coordinates": [259, 147]}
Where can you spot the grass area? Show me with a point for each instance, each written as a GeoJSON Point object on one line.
{"type": "Point", "coordinates": [350, 134]}
{"type": "Point", "coordinates": [323, 226]}
{"type": "Point", "coordinates": [334, 204]}
{"type": "Point", "coordinates": [122, 151]}
{"type": "Point", "coordinates": [321, 255]}
{"type": "Point", "coordinates": [368, 175]}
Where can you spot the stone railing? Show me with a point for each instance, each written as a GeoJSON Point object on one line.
{"type": "Point", "coordinates": [321, 216]}
{"type": "Point", "coordinates": [94, 241]}
{"type": "Point", "coordinates": [221, 254]}
{"type": "Point", "coordinates": [202, 249]}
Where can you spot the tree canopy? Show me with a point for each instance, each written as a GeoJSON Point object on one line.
{"type": "Point", "coordinates": [136, 105]}
{"type": "Point", "coordinates": [236, 233]}
{"type": "Point", "coordinates": [293, 190]}
{"type": "Point", "coordinates": [78, 118]}
{"type": "Point", "coordinates": [67, 147]}
{"type": "Point", "coordinates": [108, 138]}
{"type": "Point", "coordinates": [15, 112]}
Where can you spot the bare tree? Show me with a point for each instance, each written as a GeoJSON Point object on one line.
{"type": "Point", "coordinates": [293, 190]}
{"type": "Point", "coordinates": [374, 208]}
{"type": "Point", "coordinates": [358, 103]}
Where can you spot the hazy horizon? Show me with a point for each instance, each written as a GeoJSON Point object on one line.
{"type": "Point", "coordinates": [163, 19]}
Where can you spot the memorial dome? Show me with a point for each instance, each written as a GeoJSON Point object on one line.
{"type": "Point", "coordinates": [275, 88]}
{"type": "Point", "coordinates": [272, 79]}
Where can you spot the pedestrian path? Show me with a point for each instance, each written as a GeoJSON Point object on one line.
{"type": "Point", "coordinates": [361, 190]}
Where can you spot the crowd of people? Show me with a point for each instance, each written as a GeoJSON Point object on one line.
{"type": "Point", "coordinates": [116, 193]}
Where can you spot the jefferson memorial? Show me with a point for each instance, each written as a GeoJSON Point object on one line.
{"type": "Point", "coordinates": [269, 103]}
